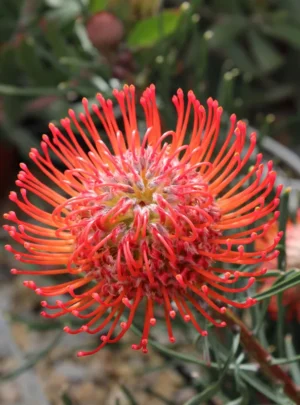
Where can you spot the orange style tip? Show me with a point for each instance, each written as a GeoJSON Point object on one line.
{"type": "Point", "coordinates": [30, 284]}
{"type": "Point", "coordinates": [287, 190]}
{"type": "Point", "coordinates": [279, 187]}
{"type": "Point", "coordinates": [152, 321]}
{"type": "Point", "coordinates": [95, 107]}
{"type": "Point", "coordinates": [13, 196]}
{"type": "Point", "coordinates": [23, 166]}
{"type": "Point", "coordinates": [204, 289]}
{"type": "Point", "coordinates": [172, 339]}
{"type": "Point", "coordinates": [250, 301]}
{"type": "Point", "coordinates": [172, 314]}
{"type": "Point", "coordinates": [126, 302]}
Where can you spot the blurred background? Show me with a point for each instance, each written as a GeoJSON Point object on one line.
{"type": "Point", "coordinates": [245, 53]}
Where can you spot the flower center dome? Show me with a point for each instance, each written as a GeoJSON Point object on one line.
{"type": "Point", "coordinates": [149, 221]}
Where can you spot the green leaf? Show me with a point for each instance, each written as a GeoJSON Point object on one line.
{"type": "Point", "coordinates": [224, 33]}
{"type": "Point", "coordinates": [226, 90]}
{"type": "Point", "coordinates": [290, 279]}
{"type": "Point", "coordinates": [293, 359]}
{"type": "Point", "coordinates": [65, 10]}
{"type": "Point", "coordinates": [97, 5]}
{"type": "Point", "coordinates": [264, 52]}
{"type": "Point", "coordinates": [30, 62]}
{"type": "Point", "coordinates": [66, 399]}
{"type": "Point", "coordinates": [129, 395]}
{"type": "Point", "coordinates": [271, 273]}
{"type": "Point", "coordinates": [238, 401]}
{"type": "Point", "coordinates": [241, 58]}
{"type": "Point", "coordinates": [293, 7]}
{"type": "Point", "coordinates": [87, 46]}
{"type": "Point", "coordinates": [149, 31]}
{"type": "Point", "coordinates": [9, 71]}
{"type": "Point", "coordinates": [57, 42]}
{"type": "Point", "coordinates": [213, 389]}
{"type": "Point", "coordinates": [196, 56]}
{"type": "Point", "coordinates": [274, 95]}
{"type": "Point", "coordinates": [242, 388]}
{"type": "Point", "coordinates": [8, 90]}
{"type": "Point", "coordinates": [286, 32]}
{"type": "Point", "coordinates": [265, 389]}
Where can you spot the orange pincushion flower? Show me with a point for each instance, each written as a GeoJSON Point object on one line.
{"type": "Point", "coordinates": [290, 296]}
{"type": "Point", "coordinates": [144, 219]}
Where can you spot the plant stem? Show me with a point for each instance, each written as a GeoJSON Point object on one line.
{"type": "Point", "coordinates": [263, 357]}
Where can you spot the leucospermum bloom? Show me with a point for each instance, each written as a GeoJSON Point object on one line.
{"type": "Point", "coordinates": [146, 218]}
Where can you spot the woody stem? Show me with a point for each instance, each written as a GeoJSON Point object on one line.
{"type": "Point", "coordinates": [263, 357]}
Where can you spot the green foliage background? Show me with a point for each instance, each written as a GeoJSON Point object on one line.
{"type": "Point", "coordinates": [246, 53]}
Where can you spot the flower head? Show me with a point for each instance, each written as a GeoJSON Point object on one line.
{"type": "Point", "coordinates": [145, 217]}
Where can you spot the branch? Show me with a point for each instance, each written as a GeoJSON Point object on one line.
{"type": "Point", "coordinates": [259, 354]}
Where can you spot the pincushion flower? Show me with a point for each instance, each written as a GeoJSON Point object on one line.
{"type": "Point", "coordinates": [290, 296]}
{"type": "Point", "coordinates": [146, 219]}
